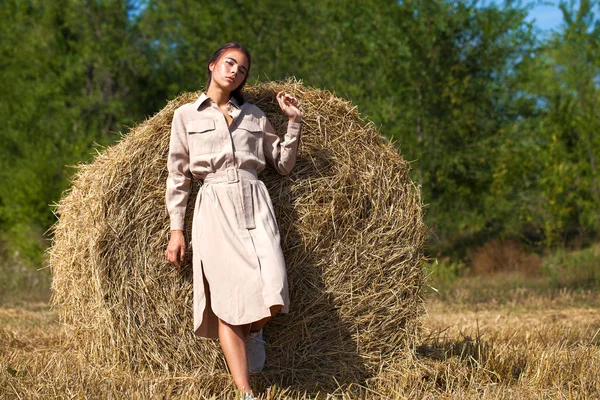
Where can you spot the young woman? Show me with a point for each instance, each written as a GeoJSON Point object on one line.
{"type": "Point", "coordinates": [238, 267]}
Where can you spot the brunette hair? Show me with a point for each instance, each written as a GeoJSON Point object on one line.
{"type": "Point", "coordinates": [237, 93]}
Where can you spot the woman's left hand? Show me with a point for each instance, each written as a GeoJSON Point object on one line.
{"type": "Point", "coordinates": [289, 105]}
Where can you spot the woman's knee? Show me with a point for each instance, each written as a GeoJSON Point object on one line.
{"type": "Point", "coordinates": [275, 309]}
{"type": "Point", "coordinates": [237, 329]}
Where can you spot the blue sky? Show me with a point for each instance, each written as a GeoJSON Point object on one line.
{"type": "Point", "coordinates": [547, 16]}
{"type": "Point", "coordinates": [546, 13]}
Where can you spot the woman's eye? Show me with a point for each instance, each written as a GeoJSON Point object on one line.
{"type": "Point", "coordinates": [229, 62]}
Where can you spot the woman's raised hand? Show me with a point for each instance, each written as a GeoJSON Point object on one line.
{"type": "Point", "coordinates": [289, 105]}
{"type": "Point", "coordinates": [176, 248]}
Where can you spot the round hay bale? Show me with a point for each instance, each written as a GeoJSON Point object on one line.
{"type": "Point", "coordinates": [352, 234]}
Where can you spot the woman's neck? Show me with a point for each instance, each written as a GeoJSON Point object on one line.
{"type": "Point", "coordinates": [218, 95]}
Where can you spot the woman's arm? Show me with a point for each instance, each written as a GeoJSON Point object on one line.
{"type": "Point", "coordinates": [180, 177]}
{"type": "Point", "coordinates": [178, 188]}
{"type": "Point", "coordinates": [282, 155]}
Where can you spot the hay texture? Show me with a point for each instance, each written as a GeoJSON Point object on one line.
{"type": "Point", "coordinates": [352, 233]}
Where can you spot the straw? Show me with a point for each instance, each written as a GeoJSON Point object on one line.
{"type": "Point", "coordinates": [351, 224]}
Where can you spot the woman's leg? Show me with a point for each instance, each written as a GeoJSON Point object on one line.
{"type": "Point", "coordinates": [257, 325]}
{"type": "Point", "coordinates": [233, 343]}
{"type": "Point", "coordinates": [255, 346]}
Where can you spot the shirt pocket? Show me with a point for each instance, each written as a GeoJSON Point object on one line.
{"type": "Point", "coordinates": [248, 137]}
{"type": "Point", "coordinates": [203, 138]}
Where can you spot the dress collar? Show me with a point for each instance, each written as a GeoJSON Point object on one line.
{"type": "Point", "coordinates": [203, 97]}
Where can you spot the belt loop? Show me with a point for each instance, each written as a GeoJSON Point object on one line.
{"type": "Point", "coordinates": [232, 174]}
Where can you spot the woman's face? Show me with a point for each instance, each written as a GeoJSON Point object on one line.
{"type": "Point", "coordinates": [230, 70]}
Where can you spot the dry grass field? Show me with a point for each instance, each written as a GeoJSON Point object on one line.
{"type": "Point", "coordinates": [486, 337]}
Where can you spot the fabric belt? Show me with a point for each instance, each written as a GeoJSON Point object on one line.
{"type": "Point", "coordinates": [241, 177]}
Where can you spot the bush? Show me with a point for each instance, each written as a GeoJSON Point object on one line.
{"type": "Point", "coordinates": [442, 273]}
{"type": "Point", "coordinates": [578, 269]}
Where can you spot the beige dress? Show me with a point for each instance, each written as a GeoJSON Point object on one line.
{"type": "Point", "coordinates": [239, 269]}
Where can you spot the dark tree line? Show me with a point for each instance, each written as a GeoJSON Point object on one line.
{"type": "Point", "coordinates": [500, 121]}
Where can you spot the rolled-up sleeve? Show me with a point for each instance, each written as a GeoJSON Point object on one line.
{"type": "Point", "coordinates": [281, 155]}
{"type": "Point", "coordinates": [180, 177]}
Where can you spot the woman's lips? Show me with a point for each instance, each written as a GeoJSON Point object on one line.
{"type": "Point", "coordinates": [230, 79]}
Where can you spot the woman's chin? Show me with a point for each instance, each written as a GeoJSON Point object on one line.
{"type": "Point", "coordinates": [228, 86]}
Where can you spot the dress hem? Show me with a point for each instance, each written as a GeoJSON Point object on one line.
{"type": "Point", "coordinates": [207, 332]}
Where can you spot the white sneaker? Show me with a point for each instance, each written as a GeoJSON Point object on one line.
{"type": "Point", "coordinates": [248, 396]}
{"type": "Point", "coordinates": [255, 352]}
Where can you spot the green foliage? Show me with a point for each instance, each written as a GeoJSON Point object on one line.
{"type": "Point", "coordinates": [500, 124]}
{"type": "Point", "coordinates": [546, 175]}
{"type": "Point", "coordinates": [67, 71]}
{"type": "Point", "coordinates": [442, 274]}
{"type": "Point", "coordinates": [578, 269]}
{"type": "Point", "coordinates": [459, 98]}
{"type": "Point", "coordinates": [18, 278]}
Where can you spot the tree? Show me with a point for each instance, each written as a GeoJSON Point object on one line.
{"type": "Point", "coordinates": [457, 102]}
{"type": "Point", "coordinates": [67, 69]}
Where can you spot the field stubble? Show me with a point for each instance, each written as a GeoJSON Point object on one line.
{"type": "Point", "coordinates": [522, 343]}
